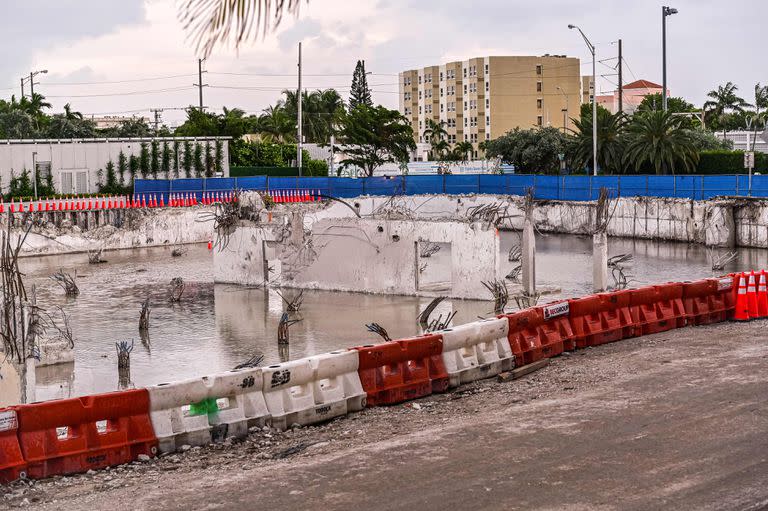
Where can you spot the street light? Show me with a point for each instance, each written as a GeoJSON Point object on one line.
{"type": "Point", "coordinates": [594, 98]}
{"type": "Point", "coordinates": [665, 11]}
{"type": "Point", "coordinates": [31, 79]}
{"type": "Point", "coordinates": [565, 110]}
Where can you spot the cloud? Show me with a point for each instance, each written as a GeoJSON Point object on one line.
{"type": "Point", "coordinates": [124, 40]}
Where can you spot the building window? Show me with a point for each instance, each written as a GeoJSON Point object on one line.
{"type": "Point", "coordinates": [441, 76]}
{"type": "Point", "coordinates": [465, 72]}
{"type": "Point", "coordinates": [486, 69]}
{"type": "Point", "coordinates": [487, 136]}
{"type": "Point", "coordinates": [540, 121]}
{"type": "Point", "coordinates": [419, 108]}
{"type": "Point", "coordinates": [538, 86]}
{"type": "Point", "coordinates": [538, 69]}
{"type": "Point", "coordinates": [419, 79]}
{"type": "Point", "coordinates": [488, 120]}
{"type": "Point", "coordinates": [539, 103]}
{"type": "Point", "coordinates": [487, 104]}
{"type": "Point", "coordinates": [466, 137]}
{"type": "Point", "coordinates": [487, 86]}
{"type": "Point", "coordinates": [465, 121]}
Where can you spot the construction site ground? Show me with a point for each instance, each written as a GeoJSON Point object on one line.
{"type": "Point", "coordinates": [677, 420]}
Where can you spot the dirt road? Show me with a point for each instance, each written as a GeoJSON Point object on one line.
{"type": "Point", "coordinates": [671, 421]}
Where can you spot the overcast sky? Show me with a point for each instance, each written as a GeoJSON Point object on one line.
{"type": "Point", "coordinates": [141, 44]}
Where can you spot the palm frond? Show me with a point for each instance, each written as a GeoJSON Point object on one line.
{"type": "Point", "coordinates": [213, 22]}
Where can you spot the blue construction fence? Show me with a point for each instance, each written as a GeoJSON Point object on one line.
{"type": "Point", "coordinates": [572, 188]}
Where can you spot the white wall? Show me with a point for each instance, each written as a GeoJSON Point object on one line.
{"type": "Point", "coordinates": [87, 155]}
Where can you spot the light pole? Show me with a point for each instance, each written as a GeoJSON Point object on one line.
{"type": "Point", "coordinates": [565, 110]}
{"type": "Point", "coordinates": [594, 98]}
{"type": "Point", "coordinates": [665, 11]}
{"type": "Point", "coordinates": [31, 79]}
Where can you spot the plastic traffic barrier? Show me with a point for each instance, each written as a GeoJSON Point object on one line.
{"type": "Point", "coordinates": [477, 350]}
{"type": "Point", "coordinates": [708, 301]}
{"type": "Point", "coordinates": [12, 464]}
{"type": "Point", "coordinates": [76, 435]}
{"type": "Point", "coordinates": [313, 389]}
{"type": "Point", "coordinates": [540, 332]}
{"type": "Point", "coordinates": [203, 410]}
{"type": "Point", "coordinates": [657, 308]}
{"type": "Point", "coordinates": [601, 318]}
{"type": "Point", "coordinates": [401, 370]}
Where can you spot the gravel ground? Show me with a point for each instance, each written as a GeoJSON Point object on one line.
{"type": "Point", "coordinates": [677, 420]}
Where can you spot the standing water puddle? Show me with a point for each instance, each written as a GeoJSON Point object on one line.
{"type": "Point", "coordinates": [215, 328]}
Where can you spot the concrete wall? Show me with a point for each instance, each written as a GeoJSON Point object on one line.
{"type": "Point", "coordinates": [138, 228]}
{"type": "Point", "coordinates": [85, 156]}
{"type": "Point", "coordinates": [706, 222]}
{"type": "Point", "coordinates": [363, 255]}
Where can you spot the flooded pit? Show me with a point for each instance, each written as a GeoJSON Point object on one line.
{"type": "Point", "coordinates": [217, 327]}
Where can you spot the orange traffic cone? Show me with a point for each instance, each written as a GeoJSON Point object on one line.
{"type": "Point", "coordinates": [741, 313]}
{"type": "Point", "coordinates": [762, 296]}
{"type": "Point", "coordinates": [752, 296]}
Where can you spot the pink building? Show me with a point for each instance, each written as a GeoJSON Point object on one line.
{"type": "Point", "coordinates": [634, 93]}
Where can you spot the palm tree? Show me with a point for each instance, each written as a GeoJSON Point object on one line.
{"type": "Point", "coordinates": [761, 108]}
{"type": "Point", "coordinates": [213, 22]}
{"type": "Point", "coordinates": [276, 123]}
{"type": "Point", "coordinates": [463, 149]}
{"type": "Point", "coordinates": [610, 139]}
{"type": "Point", "coordinates": [659, 139]}
{"type": "Point", "coordinates": [435, 134]}
{"type": "Point", "coordinates": [70, 115]}
{"type": "Point", "coordinates": [724, 100]}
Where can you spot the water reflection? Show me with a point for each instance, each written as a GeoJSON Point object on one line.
{"type": "Point", "coordinates": [215, 328]}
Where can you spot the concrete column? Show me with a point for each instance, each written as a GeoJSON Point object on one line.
{"type": "Point", "coordinates": [600, 262]}
{"type": "Point", "coordinates": [528, 259]}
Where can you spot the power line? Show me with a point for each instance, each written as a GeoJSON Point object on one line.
{"type": "Point", "coordinates": [112, 82]}
{"type": "Point", "coordinates": [129, 93]}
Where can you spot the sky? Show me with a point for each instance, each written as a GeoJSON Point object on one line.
{"type": "Point", "coordinates": [110, 57]}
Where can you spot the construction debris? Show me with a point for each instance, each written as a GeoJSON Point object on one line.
{"type": "Point", "coordinates": [94, 256]}
{"type": "Point", "coordinates": [67, 282]}
{"type": "Point", "coordinates": [144, 316]}
{"type": "Point", "coordinates": [380, 330]}
{"type": "Point", "coordinates": [283, 333]}
{"type": "Point", "coordinates": [498, 289]}
{"type": "Point", "coordinates": [177, 289]}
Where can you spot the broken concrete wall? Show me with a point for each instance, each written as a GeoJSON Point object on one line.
{"type": "Point", "coordinates": [364, 255]}
{"type": "Point", "coordinates": [126, 229]}
{"type": "Point", "coordinates": [381, 256]}
{"type": "Point", "coordinates": [707, 222]}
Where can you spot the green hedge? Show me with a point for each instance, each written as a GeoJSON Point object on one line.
{"type": "Point", "coordinates": [311, 168]}
{"type": "Point", "coordinates": [263, 171]}
{"type": "Point", "coordinates": [728, 162]}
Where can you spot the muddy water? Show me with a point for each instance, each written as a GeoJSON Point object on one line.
{"type": "Point", "coordinates": [218, 327]}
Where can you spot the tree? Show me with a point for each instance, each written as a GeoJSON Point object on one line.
{"type": "Point", "coordinates": [165, 161]}
{"type": "Point", "coordinates": [186, 160]}
{"type": "Point", "coordinates": [71, 115]}
{"type": "Point", "coordinates": [657, 138]}
{"type": "Point", "coordinates": [134, 163]}
{"type": "Point", "coordinates": [17, 124]}
{"type": "Point", "coordinates": [464, 150]}
{"type": "Point", "coordinates": [610, 139]}
{"type": "Point", "coordinates": [144, 158]}
{"type": "Point", "coordinates": [197, 160]}
{"type": "Point", "coordinates": [435, 134]}
{"type": "Point", "coordinates": [122, 166]}
{"type": "Point", "coordinates": [277, 124]}
{"type": "Point", "coordinates": [531, 151]}
{"type": "Point", "coordinates": [677, 105]}
{"type": "Point", "coordinates": [154, 162]}
{"type": "Point", "coordinates": [761, 109]}
{"type": "Point", "coordinates": [61, 126]}
{"type": "Point", "coordinates": [360, 94]}
{"type": "Point", "coordinates": [372, 136]}
{"type": "Point", "coordinates": [209, 161]}
{"type": "Point", "coordinates": [129, 128]}
{"type": "Point", "coordinates": [111, 185]}
{"type": "Point", "coordinates": [214, 22]}
{"type": "Point", "coordinates": [724, 100]}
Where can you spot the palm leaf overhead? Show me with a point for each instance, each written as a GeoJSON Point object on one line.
{"type": "Point", "coordinates": [213, 22]}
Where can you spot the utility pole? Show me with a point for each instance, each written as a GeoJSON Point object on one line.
{"type": "Point", "coordinates": [665, 11]}
{"type": "Point", "coordinates": [200, 83]}
{"type": "Point", "coordinates": [593, 51]}
{"type": "Point", "coordinates": [157, 112]}
{"type": "Point", "coordinates": [31, 85]}
{"type": "Point", "coordinates": [621, 83]}
{"type": "Point", "coordinates": [22, 88]}
{"type": "Point", "coordinates": [299, 99]}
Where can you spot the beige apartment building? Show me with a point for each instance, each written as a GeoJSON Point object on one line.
{"type": "Point", "coordinates": [483, 98]}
